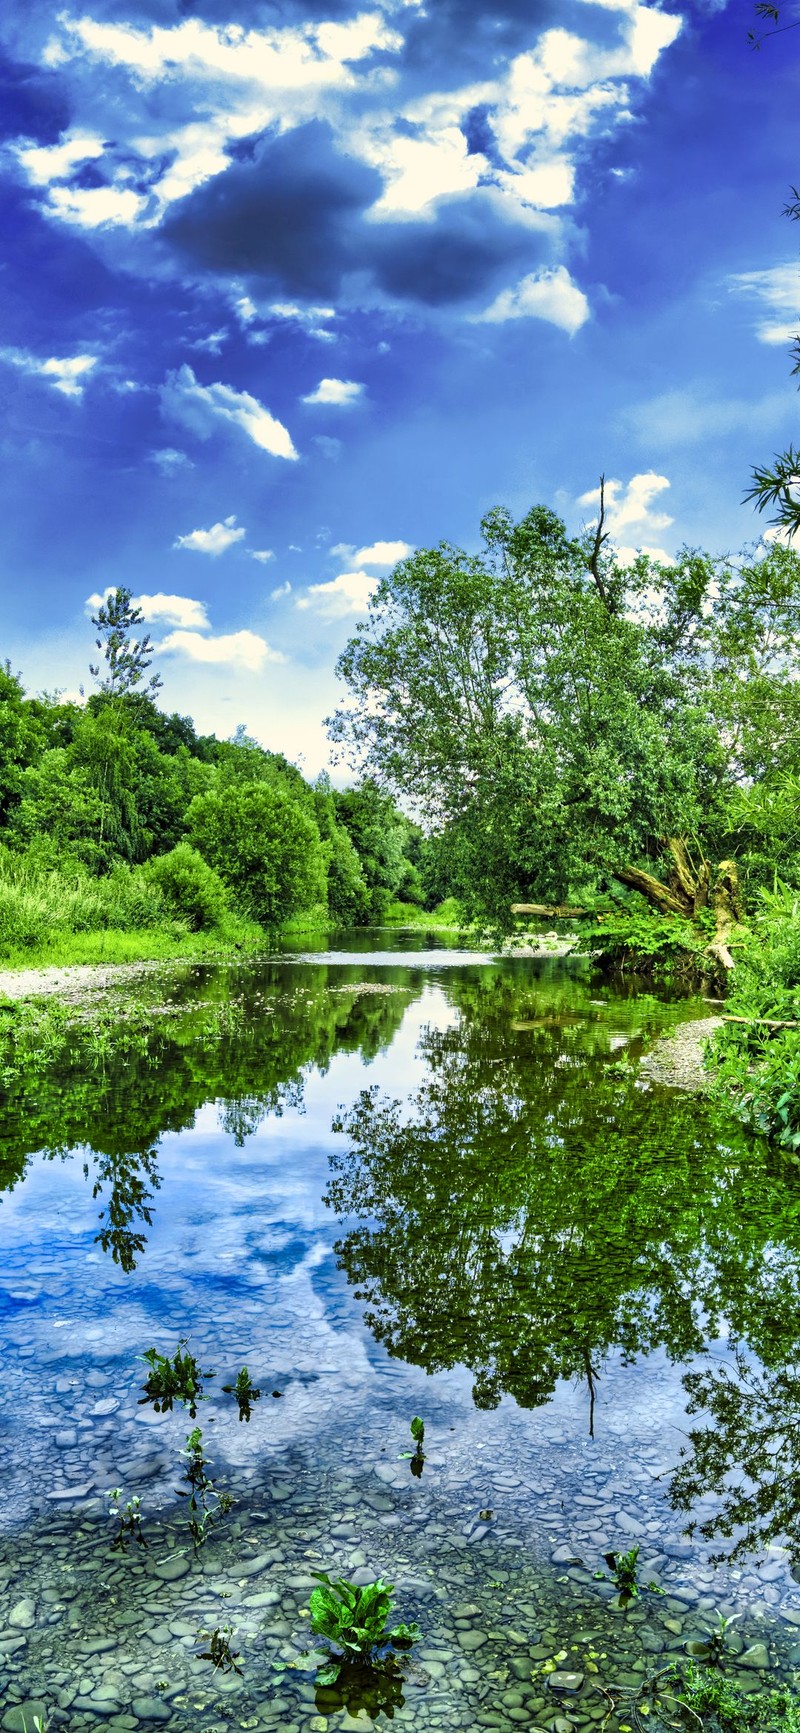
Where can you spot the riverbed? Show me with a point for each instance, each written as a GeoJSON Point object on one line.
{"type": "Point", "coordinates": [391, 1182]}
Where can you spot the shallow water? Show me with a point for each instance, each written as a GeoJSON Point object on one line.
{"type": "Point", "coordinates": [391, 1182]}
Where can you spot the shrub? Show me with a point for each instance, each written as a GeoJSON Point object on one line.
{"type": "Point", "coordinates": [190, 888]}
{"type": "Point", "coordinates": [263, 846]}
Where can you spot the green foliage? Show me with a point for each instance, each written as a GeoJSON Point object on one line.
{"type": "Point", "coordinates": [355, 1621]}
{"type": "Point", "coordinates": [382, 838]}
{"type": "Point", "coordinates": [168, 1381]}
{"type": "Point", "coordinates": [206, 1505]}
{"type": "Point", "coordinates": [713, 1702]}
{"type": "Point", "coordinates": [129, 1521]}
{"type": "Point", "coordinates": [126, 653]}
{"type": "Point", "coordinates": [624, 1573]}
{"type": "Point", "coordinates": [263, 846]}
{"type": "Point", "coordinates": [190, 888]}
{"type": "Point", "coordinates": [245, 1392]}
{"type": "Point", "coordinates": [757, 1060]}
{"type": "Point", "coordinates": [664, 945]}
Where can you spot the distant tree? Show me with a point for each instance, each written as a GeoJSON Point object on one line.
{"type": "Point", "coordinates": [127, 656]}
{"type": "Point", "coordinates": [379, 833]}
{"type": "Point", "coordinates": [21, 739]}
{"type": "Point", "coordinates": [263, 846]}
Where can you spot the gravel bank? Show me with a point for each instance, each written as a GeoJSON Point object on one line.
{"type": "Point", "coordinates": [677, 1059]}
{"type": "Point", "coordinates": [75, 982]}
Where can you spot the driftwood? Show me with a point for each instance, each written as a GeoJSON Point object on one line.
{"type": "Point", "coordinates": [552, 909]}
{"type": "Point", "coordinates": [764, 1022]}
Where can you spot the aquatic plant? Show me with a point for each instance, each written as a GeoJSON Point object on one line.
{"type": "Point", "coordinates": [354, 1621]}
{"type": "Point", "coordinates": [416, 1457]}
{"type": "Point", "coordinates": [129, 1519]}
{"type": "Point", "coordinates": [245, 1392]}
{"type": "Point", "coordinates": [206, 1504]}
{"type": "Point", "coordinates": [179, 1379]}
{"type": "Point", "coordinates": [219, 1651]}
{"type": "Point", "coordinates": [624, 1573]}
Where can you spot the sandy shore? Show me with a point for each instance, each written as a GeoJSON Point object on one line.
{"type": "Point", "coordinates": [75, 981]}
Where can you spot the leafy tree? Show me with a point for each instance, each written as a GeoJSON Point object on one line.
{"type": "Point", "coordinates": [189, 886]}
{"type": "Point", "coordinates": [263, 845]}
{"type": "Point", "coordinates": [380, 835]}
{"type": "Point", "coordinates": [21, 739]}
{"type": "Point", "coordinates": [127, 657]}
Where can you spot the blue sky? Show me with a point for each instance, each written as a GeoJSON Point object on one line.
{"type": "Point", "coordinates": [289, 289]}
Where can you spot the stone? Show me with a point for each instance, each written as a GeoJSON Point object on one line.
{"type": "Point", "coordinates": [66, 1438]}
{"type": "Point", "coordinates": [150, 1709]}
{"type": "Point", "coordinates": [23, 1615]}
{"type": "Point", "coordinates": [568, 1682]}
{"type": "Point", "coordinates": [172, 1569]}
{"type": "Point", "coordinates": [20, 1718]}
{"type": "Point", "coordinates": [106, 1405]}
{"type": "Point", "coordinates": [756, 1656]}
{"type": "Point", "coordinates": [471, 1640]}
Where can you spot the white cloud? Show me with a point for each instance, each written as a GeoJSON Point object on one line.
{"type": "Point", "coordinates": [379, 553]}
{"type": "Point", "coordinates": [263, 555]}
{"type": "Point", "coordinates": [170, 461]}
{"type": "Point", "coordinates": [214, 541]}
{"type": "Point", "coordinates": [44, 163]}
{"type": "Point", "coordinates": [549, 295]}
{"type": "Point", "coordinates": [237, 649]}
{"type": "Point", "coordinates": [340, 392]}
{"type": "Point", "coordinates": [97, 207]}
{"type": "Point", "coordinates": [778, 289]}
{"type": "Point", "coordinates": [67, 375]}
{"type": "Point", "coordinates": [203, 408]}
{"type": "Point", "coordinates": [280, 590]}
{"type": "Point", "coordinates": [350, 593]}
{"type": "Point", "coordinates": [173, 610]}
{"type": "Point", "coordinates": [631, 504]}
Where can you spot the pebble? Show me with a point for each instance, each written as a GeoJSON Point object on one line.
{"type": "Point", "coordinates": [565, 1681]}
{"type": "Point", "coordinates": [172, 1569]}
{"type": "Point", "coordinates": [23, 1615]}
{"type": "Point", "coordinates": [756, 1656]}
{"type": "Point", "coordinates": [150, 1709]}
{"type": "Point", "coordinates": [21, 1716]}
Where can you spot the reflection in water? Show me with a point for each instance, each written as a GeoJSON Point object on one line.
{"type": "Point", "coordinates": [526, 1213]}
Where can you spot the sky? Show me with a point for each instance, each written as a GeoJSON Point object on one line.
{"type": "Point", "coordinates": [290, 289]}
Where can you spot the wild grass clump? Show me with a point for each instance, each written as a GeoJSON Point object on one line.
{"type": "Point", "coordinates": [756, 1055]}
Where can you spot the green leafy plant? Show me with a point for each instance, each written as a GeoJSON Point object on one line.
{"type": "Point", "coordinates": [624, 1573]}
{"type": "Point", "coordinates": [176, 1380]}
{"type": "Point", "coordinates": [219, 1651]}
{"type": "Point", "coordinates": [354, 1622]}
{"type": "Point", "coordinates": [416, 1456]}
{"type": "Point", "coordinates": [206, 1505]}
{"type": "Point", "coordinates": [705, 1699]}
{"type": "Point", "coordinates": [129, 1521]}
{"type": "Point", "coordinates": [245, 1392]}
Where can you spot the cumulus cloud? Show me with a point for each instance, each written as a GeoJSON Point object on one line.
{"type": "Point", "coordinates": [284, 589]}
{"type": "Point", "coordinates": [549, 295]}
{"type": "Point", "coordinates": [340, 392]}
{"type": "Point", "coordinates": [630, 506]}
{"type": "Point", "coordinates": [778, 290]}
{"type": "Point", "coordinates": [263, 555]}
{"type": "Point", "coordinates": [243, 649]}
{"type": "Point", "coordinates": [67, 375]}
{"type": "Point", "coordinates": [213, 541]}
{"type": "Point", "coordinates": [382, 554]}
{"type": "Point", "coordinates": [350, 593]}
{"type": "Point", "coordinates": [174, 610]}
{"type": "Point", "coordinates": [206, 408]}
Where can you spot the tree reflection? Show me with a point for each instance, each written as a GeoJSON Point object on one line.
{"type": "Point", "coordinates": [531, 1209]}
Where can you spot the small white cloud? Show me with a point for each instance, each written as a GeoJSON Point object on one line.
{"type": "Point", "coordinates": [67, 376]}
{"type": "Point", "coordinates": [174, 610]}
{"type": "Point", "coordinates": [203, 408]}
{"type": "Point", "coordinates": [340, 392]}
{"type": "Point", "coordinates": [212, 344]}
{"type": "Point", "coordinates": [44, 163]}
{"type": "Point", "coordinates": [549, 295]}
{"type": "Point", "coordinates": [170, 461]}
{"type": "Point", "coordinates": [379, 553]}
{"type": "Point", "coordinates": [97, 207]}
{"type": "Point", "coordinates": [281, 590]}
{"type": "Point", "coordinates": [778, 289]}
{"type": "Point", "coordinates": [350, 593]}
{"type": "Point", "coordinates": [236, 649]}
{"type": "Point", "coordinates": [263, 555]}
{"type": "Point", "coordinates": [214, 541]}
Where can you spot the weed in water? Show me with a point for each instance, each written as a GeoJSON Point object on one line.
{"type": "Point", "coordinates": [206, 1505]}
{"type": "Point", "coordinates": [129, 1520]}
{"type": "Point", "coordinates": [219, 1651]}
{"type": "Point", "coordinates": [624, 1573]}
{"type": "Point", "coordinates": [354, 1622]}
{"type": "Point", "coordinates": [169, 1381]}
{"type": "Point", "coordinates": [416, 1457]}
{"type": "Point", "coordinates": [713, 1648]}
{"type": "Point", "coordinates": [245, 1392]}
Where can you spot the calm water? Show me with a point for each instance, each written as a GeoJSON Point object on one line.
{"type": "Point", "coordinates": [392, 1182]}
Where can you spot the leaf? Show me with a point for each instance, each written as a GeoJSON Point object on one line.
{"type": "Point", "coordinates": [329, 1673]}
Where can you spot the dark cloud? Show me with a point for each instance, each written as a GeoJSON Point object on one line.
{"type": "Point", "coordinates": [460, 257]}
{"type": "Point", "coordinates": [286, 218]}
{"type": "Point", "coordinates": [32, 102]}
{"type": "Point", "coordinates": [292, 221]}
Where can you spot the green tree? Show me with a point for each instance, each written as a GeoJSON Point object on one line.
{"type": "Point", "coordinates": [127, 657]}
{"type": "Point", "coordinates": [380, 836]}
{"type": "Point", "coordinates": [22, 737]}
{"type": "Point", "coordinates": [263, 845]}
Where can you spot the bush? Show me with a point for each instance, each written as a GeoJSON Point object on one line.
{"type": "Point", "coordinates": [189, 887]}
{"type": "Point", "coordinates": [758, 1066]}
{"type": "Point", "coordinates": [263, 846]}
